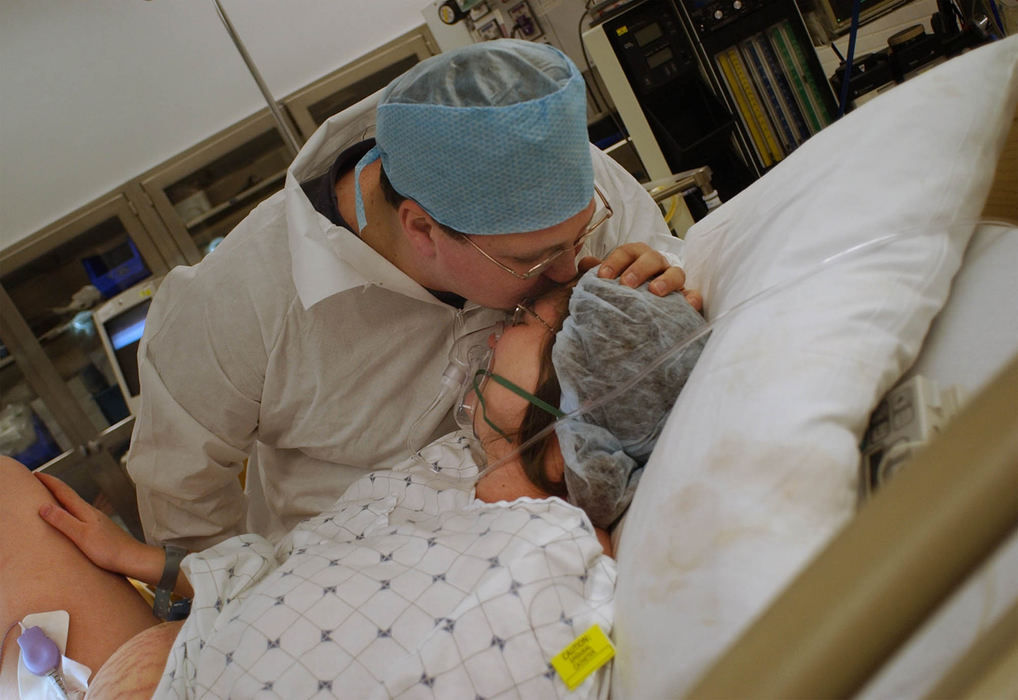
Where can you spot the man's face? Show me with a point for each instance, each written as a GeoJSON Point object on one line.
{"type": "Point", "coordinates": [470, 274]}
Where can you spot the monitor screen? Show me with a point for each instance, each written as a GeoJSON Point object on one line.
{"type": "Point", "coordinates": [124, 331]}
{"type": "Point", "coordinates": [648, 34]}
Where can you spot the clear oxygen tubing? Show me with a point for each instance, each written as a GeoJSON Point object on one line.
{"type": "Point", "coordinates": [834, 260]}
{"type": "Point", "coordinates": [453, 379]}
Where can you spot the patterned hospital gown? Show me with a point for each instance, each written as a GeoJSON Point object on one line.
{"type": "Point", "coordinates": [407, 587]}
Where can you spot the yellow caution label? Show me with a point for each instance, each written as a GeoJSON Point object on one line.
{"type": "Point", "coordinates": [587, 653]}
{"type": "Point", "coordinates": [619, 31]}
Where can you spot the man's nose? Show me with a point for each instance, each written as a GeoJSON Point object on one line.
{"type": "Point", "coordinates": [563, 269]}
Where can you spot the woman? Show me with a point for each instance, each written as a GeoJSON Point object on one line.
{"type": "Point", "coordinates": [413, 582]}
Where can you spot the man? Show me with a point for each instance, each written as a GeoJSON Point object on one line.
{"type": "Point", "coordinates": [313, 338]}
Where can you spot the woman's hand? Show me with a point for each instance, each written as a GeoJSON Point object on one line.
{"type": "Point", "coordinates": [100, 539]}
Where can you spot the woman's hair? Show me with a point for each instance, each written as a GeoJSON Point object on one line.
{"type": "Point", "coordinates": [535, 419]}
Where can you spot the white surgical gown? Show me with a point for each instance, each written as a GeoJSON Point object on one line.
{"type": "Point", "coordinates": [296, 346]}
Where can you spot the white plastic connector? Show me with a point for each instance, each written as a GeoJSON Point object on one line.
{"type": "Point", "coordinates": [911, 415]}
{"type": "Point", "coordinates": [712, 200]}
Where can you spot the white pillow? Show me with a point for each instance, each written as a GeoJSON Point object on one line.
{"type": "Point", "coordinates": [980, 320]}
{"type": "Point", "coordinates": [756, 469]}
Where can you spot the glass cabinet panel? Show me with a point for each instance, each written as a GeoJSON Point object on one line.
{"type": "Point", "coordinates": [202, 194]}
{"type": "Point", "coordinates": [315, 103]}
{"type": "Point", "coordinates": [337, 101]}
{"type": "Point", "coordinates": [56, 279]}
{"type": "Point", "coordinates": [28, 431]}
{"type": "Point", "coordinates": [31, 434]}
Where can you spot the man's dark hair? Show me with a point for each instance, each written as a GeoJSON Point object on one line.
{"type": "Point", "coordinates": [394, 199]}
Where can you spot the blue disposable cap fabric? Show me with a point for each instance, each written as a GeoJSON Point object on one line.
{"type": "Point", "coordinates": [488, 139]}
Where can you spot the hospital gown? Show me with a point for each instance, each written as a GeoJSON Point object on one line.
{"type": "Point", "coordinates": [407, 587]}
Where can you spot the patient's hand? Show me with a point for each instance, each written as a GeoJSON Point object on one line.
{"type": "Point", "coordinates": [100, 539]}
{"type": "Point", "coordinates": [635, 263]}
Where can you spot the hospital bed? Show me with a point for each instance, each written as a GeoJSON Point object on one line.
{"type": "Point", "coordinates": [750, 564]}
{"type": "Point", "coordinates": [747, 565]}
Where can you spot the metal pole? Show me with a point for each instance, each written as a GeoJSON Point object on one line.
{"type": "Point", "coordinates": [289, 138]}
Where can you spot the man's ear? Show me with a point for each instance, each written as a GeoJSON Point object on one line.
{"type": "Point", "coordinates": [418, 227]}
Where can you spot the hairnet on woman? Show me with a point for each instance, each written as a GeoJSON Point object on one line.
{"type": "Point", "coordinates": [612, 334]}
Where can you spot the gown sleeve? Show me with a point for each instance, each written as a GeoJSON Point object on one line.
{"type": "Point", "coordinates": [202, 364]}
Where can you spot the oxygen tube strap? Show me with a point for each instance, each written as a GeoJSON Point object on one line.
{"type": "Point", "coordinates": [519, 391]}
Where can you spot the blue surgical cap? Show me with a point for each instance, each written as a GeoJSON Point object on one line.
{"type": "Point", "coordinates": [612, 334]}
{"type": "Point", "coordinates": [489, 138]}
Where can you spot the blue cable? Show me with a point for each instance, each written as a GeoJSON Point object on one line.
{"type": "Point", "coordinates": [996, 16]}
{"type": "Point", "coordinates": [850, 54]}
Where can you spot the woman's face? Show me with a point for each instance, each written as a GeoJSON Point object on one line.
{"type": "Point", "coordinates": [516, 356]}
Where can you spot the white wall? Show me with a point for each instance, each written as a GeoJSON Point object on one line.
{"type": "Point", "coordinates": [94, 93]}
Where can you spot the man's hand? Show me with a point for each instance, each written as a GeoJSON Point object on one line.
{"type": "Point", "coordinates": [100, 539]}
{"type": "Point", "coordinates": [636, 263]}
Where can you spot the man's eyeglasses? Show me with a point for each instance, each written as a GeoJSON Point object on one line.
{"type": "Point", "coordinates": [600, 216]}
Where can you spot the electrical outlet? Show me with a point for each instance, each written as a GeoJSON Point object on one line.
{"type": "Point", "coordinates": [908, 418]}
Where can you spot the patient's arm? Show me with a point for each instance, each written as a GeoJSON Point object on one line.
{"type": "Point", "coordinates": [41, 570]}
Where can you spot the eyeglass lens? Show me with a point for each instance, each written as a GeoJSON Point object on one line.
{"type": "Point", "coordinates": [599, 217]}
